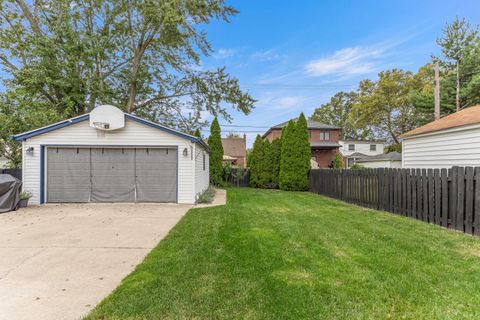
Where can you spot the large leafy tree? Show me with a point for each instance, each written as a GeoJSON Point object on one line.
{"type": "Point", "coordinates": [336, 111]}
{"type": "Point", "coordinates": [143, 56]}
{"type": "Point", "coordinates": [216, 156]}
{"type": "Point", "coordinates": [385, 105]}
{"type": "Point", "coordinates": [455, 42]}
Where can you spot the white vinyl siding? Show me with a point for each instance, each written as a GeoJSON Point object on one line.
{"type": "Point", "coordinates": [134, 134]}
{"type": "Point", "coordinates": [202, 177]}
{"type": "Point", "coordinates": [443, 149]}
{"type": "Point", "coordinates": [364, 147]}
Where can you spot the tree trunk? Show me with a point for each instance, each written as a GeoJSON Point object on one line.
{"type": "Point", "coordinates": [132, 91]}
{"type": "Point", "coordinates": [457, 95]}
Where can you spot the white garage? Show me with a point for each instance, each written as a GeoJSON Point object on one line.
{"type": "Point", "coordinates": [110, 156]}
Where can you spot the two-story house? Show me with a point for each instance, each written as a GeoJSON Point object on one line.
{"type": "Point", "coordinates": [354, 150]}
{"type": "Point", "coordinates": [323, 140]}
{"type": "Point", "coordinates": [235, 151]}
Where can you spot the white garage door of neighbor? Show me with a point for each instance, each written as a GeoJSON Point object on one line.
{"type": "Point", "coordinates": [111, 174]}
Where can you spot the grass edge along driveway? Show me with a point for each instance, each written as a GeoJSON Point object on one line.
{"type": "Point", "coordinates": [270, 254]}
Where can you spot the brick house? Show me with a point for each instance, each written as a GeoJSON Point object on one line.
{"type": "Point", "coordinates": [235, 151]}
{"type": "Point", "coordinates": [324, 140]}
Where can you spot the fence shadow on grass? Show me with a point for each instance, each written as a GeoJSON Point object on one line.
{"type": "Point", "coordinates": [447, 197]}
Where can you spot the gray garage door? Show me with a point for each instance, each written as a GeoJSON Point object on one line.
{"type": "Point", "coordinates": [111, 174]}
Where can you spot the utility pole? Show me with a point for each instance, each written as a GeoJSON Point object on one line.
{"type": "Point", "coordinates": [437, 91]}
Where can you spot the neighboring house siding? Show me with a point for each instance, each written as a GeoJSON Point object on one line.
{"type": "Point", "coordinates": [134, 134]}
{"type": "Point", "coordinates": [361, 147]}
{"type": "Point", "coordinates": [201, 176]}
{"type": "Point", "coordinates": [381, 164]}
{"type": "Point", "coordinates": [443, 149]}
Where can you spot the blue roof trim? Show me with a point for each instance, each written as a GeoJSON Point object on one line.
{"type": "Point", "coordinates": [65, 123]}
{"type": "Point", "coordinates": [169, 130]}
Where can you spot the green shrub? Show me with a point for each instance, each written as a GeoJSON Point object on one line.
{"type": "Point", "coordinates": [337, 161]}
{"type": "Point", "coordinates": [207, 196]}
{"type": "Point", "coordinates": [356, 166]}
{"type": "Point", "coordinates": [216, 157]}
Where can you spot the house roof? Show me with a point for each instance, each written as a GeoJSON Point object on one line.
{"type": "Point", "coordinates": [392, 156]}
{"type": "Point", "coordinates": [65, 123]}
{"type": "Point", "coordinates": [463, 117]}
{"type": "Point", "coordinates": [356, 155]}
{"type": "Point", "coordinates": [323, 144]}
{"type": "Point", "coordinates": [234, 147]}
{"type": "Point", "coordinates": [310, 124]}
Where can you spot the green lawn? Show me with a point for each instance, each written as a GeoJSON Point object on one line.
{"type": "Point", "coordinates": [270, 254]}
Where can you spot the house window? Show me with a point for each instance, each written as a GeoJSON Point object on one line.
{"type": "Point", "coordinates": [203, 162]}
{"type": "Point", "coordinates": [373, 147]}
{"type": "Point", "coordinates": [351, 147]}
{"type": "Point", "coordinates": [324, 135]}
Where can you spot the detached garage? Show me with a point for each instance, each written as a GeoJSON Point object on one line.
{"type": "Point", "coordinates": [110, 156]}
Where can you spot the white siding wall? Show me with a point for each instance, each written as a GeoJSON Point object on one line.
{"type": "Point", "coordinates": [202, 177]}
{"type": "Point", "coordinates": [381, 164]}
{"type": "Point", "coordinates": [362, 147]}
{"type": "Point", "coordinates": [443, 149]}
{"type": "Point", "coordinates": [134, 134]}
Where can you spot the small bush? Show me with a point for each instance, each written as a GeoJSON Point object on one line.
{"type": "Point", "coordinates": [207, 196]}
{"type": "Point", "coordinates": [24, 195]}
{"type": "Point", "coordinates": [337, 161]}
{"type": "Point", "coordinates": [357, 166]}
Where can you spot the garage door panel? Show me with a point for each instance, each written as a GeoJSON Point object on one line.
{"type": "Point", "coordinates": [68, 175]}
{"type": "Point", "coordinates": [113, 175]}
{"type": "Point", "coordinates": [156, 175]}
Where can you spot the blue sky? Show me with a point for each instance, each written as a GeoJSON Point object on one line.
{"type": "Point", "coordinates": [294, 55]}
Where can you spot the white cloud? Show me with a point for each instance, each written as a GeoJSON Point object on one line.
{"type": "Point", "coordinates": [224, 53]}
{"type": "Point", "coordinates": [347, 62]}
{"type": "Point", "coordinates": [267, 55]}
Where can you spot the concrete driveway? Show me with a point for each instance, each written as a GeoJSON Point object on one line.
{"type": "Point", "coordinates": [59, 261]}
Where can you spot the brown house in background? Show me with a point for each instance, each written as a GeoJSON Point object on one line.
{"type": "Point", "coordinates": [235, 151]}
{"type": "Point", "coordinates": [323, 140]}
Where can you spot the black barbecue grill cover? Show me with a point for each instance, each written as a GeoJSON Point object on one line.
{"type": "Point", "coordinates": [9, 192]}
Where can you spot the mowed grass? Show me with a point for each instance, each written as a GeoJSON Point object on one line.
{"type": "Point", "coordinates": [270, 254]}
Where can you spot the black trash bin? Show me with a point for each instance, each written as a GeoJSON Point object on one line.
{"type": "Point", "coordinates": [10, 188]}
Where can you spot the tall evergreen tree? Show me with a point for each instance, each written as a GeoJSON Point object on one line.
{"type": "Point", "coordinates": [198, 134]}
{"type": "Point", "coordinates": [287, 160]}
{"type": "Point", "coordinates": [266, 165]}
{"type": "Point", "coordinates": [216, 157]}
{"type": "Point", "coordinates": [295, 156]}
{"type": "Point", "coordinates": [458, 37]}
{"type": "Point", "coordinates": [303, 152]}
{"type": "Point", "coordinates": [276, 152]}
{"type": "Point", "coordinates": [255, 163]}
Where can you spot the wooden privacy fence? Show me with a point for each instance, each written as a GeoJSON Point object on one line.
{"type": "Point", "coordinates": [447, 197]}
{"type": "Point", "coordinates": [239, 177]}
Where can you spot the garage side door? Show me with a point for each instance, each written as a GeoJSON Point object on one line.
{"type": "Point", "coordinates": [156, 174]}
{"type": "Point", "coordinates": [113, 175]}
{"type": "Point", "coordinates": [68, 175]}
